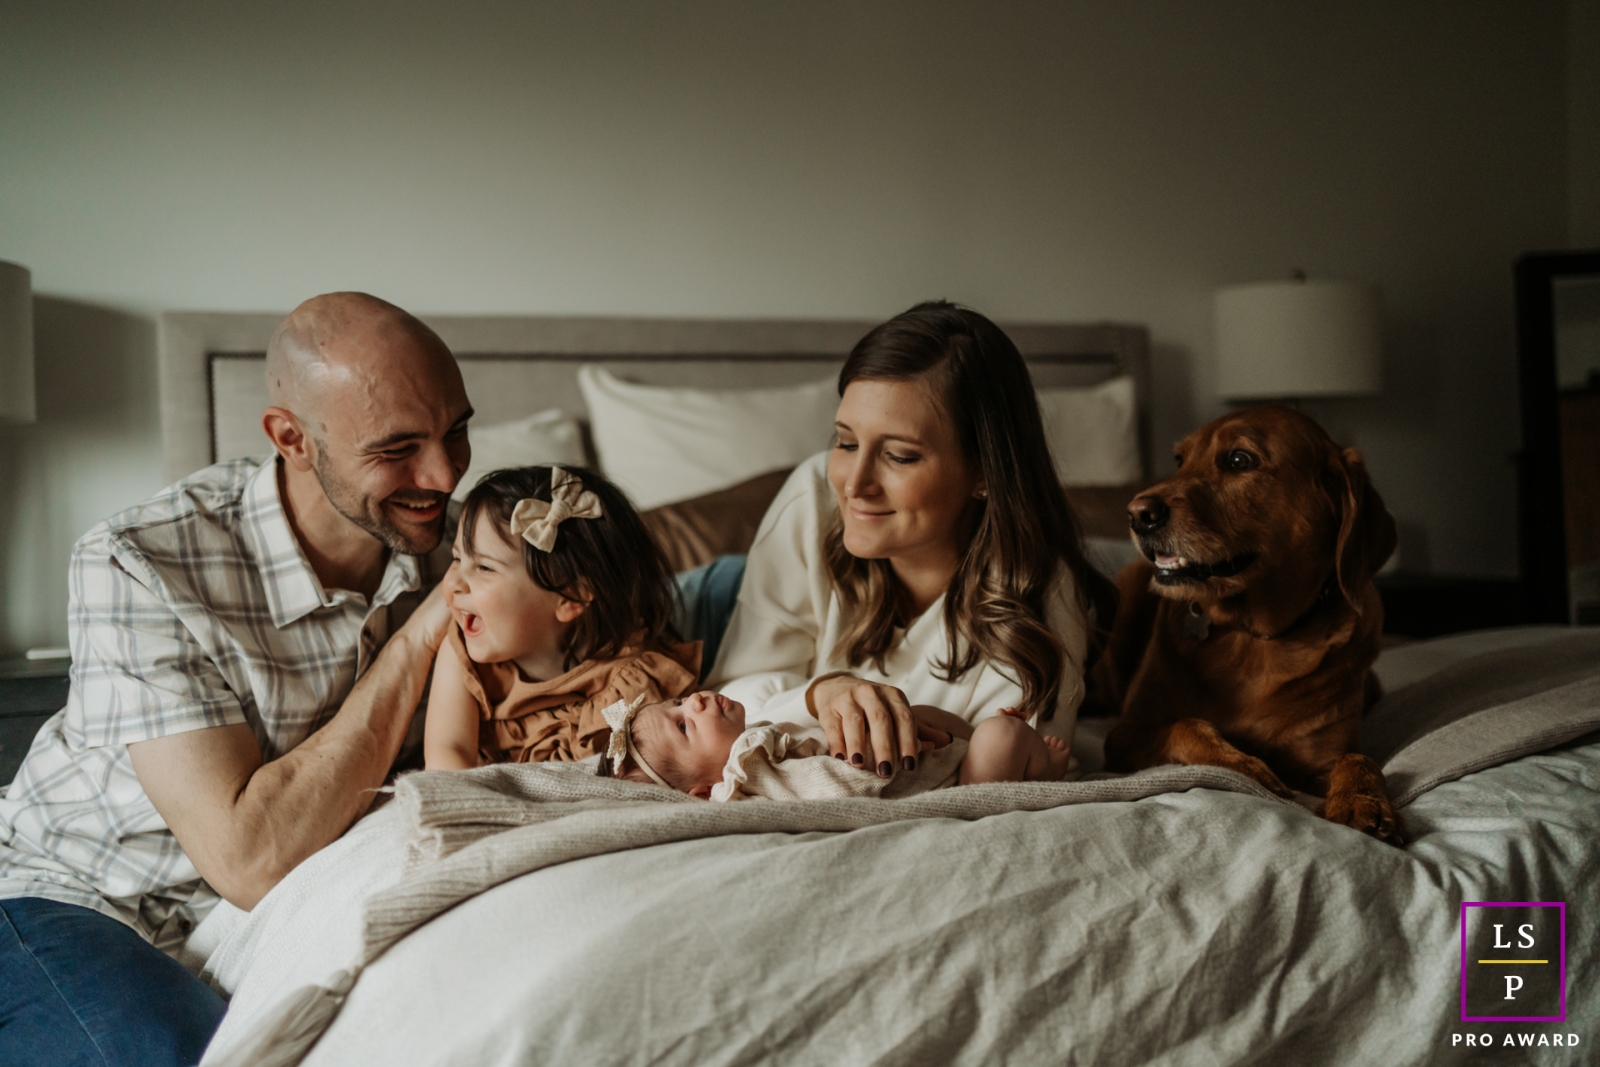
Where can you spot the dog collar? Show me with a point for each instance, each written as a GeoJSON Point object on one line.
{"type": "Point", "coordinates": [1197, 624]}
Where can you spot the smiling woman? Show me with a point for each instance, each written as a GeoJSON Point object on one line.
{"type": "Point", "coordinates": [929, 558]}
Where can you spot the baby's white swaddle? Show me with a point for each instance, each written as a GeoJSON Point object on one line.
{"type": "Point", "coordinates": [789, 761]}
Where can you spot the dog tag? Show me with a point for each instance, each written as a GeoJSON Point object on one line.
{"type": "Point", "coordinates": [1195, 624]}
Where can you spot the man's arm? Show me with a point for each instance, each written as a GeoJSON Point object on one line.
{"type": "Point", "coordinates": [244, 824]}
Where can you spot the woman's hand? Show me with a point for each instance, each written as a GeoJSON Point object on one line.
{"type": "Point", "coordinates": [869, 724]}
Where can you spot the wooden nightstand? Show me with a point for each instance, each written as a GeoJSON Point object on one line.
{"type": "Point", "coordinates": [30, 692]}
{"type": "Point", "coordinates": [1427, 605]}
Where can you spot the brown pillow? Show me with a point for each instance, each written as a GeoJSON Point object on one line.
{"type": "Point", "coordinates": [695, 532]}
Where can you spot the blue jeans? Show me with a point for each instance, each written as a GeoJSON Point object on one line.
{"type": "Point", "coordinates": [77, 987]}
{"type": "Point", "coordinates": [706, 599]}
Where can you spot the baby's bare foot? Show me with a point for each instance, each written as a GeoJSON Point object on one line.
{"type": "Point", "coordinates": [1058, 760]}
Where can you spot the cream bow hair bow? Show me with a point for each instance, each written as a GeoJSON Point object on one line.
{"type": "Point", "coordinates": [538, 521]}
{"type": "Point", "coordinates": [619, 717]}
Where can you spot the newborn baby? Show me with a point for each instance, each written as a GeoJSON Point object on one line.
{"type": "Point", "coordinates": [699, 745]}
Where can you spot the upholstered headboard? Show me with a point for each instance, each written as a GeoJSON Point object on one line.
{"type": "Point", "coordinates": [213, 387]}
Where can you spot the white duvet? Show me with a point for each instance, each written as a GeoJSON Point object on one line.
{"type": "Point", "coordinates": [1200, 927]}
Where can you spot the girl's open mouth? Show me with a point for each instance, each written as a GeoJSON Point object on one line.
{"type": "Point", "coordinates": [471, 625]}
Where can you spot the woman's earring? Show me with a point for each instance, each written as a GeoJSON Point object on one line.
{"type": "Point", "coordinates": [982, 492]}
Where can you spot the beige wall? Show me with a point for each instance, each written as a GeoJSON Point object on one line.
{"type": "Point", "coordinates": [1047, 161]}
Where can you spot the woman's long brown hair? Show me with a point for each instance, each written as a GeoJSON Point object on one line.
{"type": "Point", "coordinates": [994, 608]}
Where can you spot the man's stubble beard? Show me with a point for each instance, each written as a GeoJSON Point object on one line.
{"type": "Point", "coordinates": [368, 514]}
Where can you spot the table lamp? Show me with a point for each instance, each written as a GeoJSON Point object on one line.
{"type": "Point", "coordinates": [16, 344]}
{"type": "Point", "coordinates": [1297, 339]}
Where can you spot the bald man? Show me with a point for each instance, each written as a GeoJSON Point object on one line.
{"type": "Point", "coordinates": [248, 650]}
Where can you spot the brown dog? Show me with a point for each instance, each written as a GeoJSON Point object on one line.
{"type": "Point", "coordinates": [1246, 640]}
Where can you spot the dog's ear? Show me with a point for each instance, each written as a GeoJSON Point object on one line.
{"type": "Point", "coordinates": [1366, 529]}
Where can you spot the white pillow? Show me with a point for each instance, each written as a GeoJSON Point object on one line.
{"type": "Point", "coordinates": [547, 437]}
{"type": "Point", "coordinates": [662, 445]}
{"type": "Point", "coordinates": [1093, 433]}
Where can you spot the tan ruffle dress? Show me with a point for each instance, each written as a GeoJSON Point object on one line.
{"type": "Point", "coordinates": [523, 721]}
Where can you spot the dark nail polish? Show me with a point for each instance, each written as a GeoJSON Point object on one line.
{"type": "Point", "coordinates": [855, 757]}
{"type": "Point", "coordinates": [908, 762]}
{"type": "Point", "coordinates": [838, 755]}
{"type": "Point", "coordinates": [885, 769]}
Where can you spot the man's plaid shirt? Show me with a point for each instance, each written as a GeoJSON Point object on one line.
{"type": "Point", "coordinates": [192, 610]}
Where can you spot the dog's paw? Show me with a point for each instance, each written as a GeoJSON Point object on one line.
{"type": "Point", "coordinates": [1364, 805]}
{"type": "Point", "coordinates": [1196, 742]}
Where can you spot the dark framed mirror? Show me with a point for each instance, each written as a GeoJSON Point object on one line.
{"type": "Point", "coordinates": [1558, 353]}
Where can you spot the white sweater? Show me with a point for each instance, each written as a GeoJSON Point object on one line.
{"type": "Point", "coordinates": [788, 621]}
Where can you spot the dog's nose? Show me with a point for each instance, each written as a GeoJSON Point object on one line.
{"type": "Point", "coordinates": [1147, 514]}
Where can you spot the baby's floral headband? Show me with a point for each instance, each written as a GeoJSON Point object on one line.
{"type": "Point", "coordinates": [538, 521]}
{"type": "Point", "coordinates": [619, 717]}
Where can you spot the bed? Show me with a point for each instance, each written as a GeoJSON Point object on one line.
{"type": "Point", "coordinates": [1177, 916]}
{"type": "Point", "coordinates": [509, 916]}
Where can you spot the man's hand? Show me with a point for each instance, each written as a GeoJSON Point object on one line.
{"type": "Point", "coordinates": [431, 621]}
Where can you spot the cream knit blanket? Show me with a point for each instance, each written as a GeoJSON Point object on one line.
{"type": "Point", "coordinates": [472, 830]}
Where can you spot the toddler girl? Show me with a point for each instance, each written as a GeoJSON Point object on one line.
{"type": "Point", "coordinates": [699, 745]}
{"type": "Point", "coordinates": [563, 606]}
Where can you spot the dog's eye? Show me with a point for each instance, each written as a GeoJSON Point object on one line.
{"type": "Point", "coordinates": [1239, 460]}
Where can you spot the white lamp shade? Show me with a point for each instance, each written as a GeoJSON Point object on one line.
{"type": "Point", "coordinates": [16, 344]}
{"type": "Point", "coordinates": [1287, 340]}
